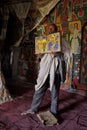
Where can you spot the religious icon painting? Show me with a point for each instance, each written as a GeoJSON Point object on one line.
{"type": "Point", "coordinates": [48, 44]}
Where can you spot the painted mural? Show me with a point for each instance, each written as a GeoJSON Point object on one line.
{"type": "Point", "coordinates": [75, 43]}
{"type": "Point", "coordinates": [75, 36]}
{"type": "Point", "coordinates": [66, 15]}
{"type": "Point", "coordinates": [69, 15]}
{"type": "Point", "coordinates": [84, 55]}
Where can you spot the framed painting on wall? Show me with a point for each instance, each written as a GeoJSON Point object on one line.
{"type": "Point", "coordinates": [48, 44]}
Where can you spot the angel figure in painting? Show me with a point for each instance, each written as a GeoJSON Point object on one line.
{"type": "Point", "coordinates": [75, 37]}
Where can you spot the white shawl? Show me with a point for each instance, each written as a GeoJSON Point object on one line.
{"type": "Point", "coordinates": [48, 65]}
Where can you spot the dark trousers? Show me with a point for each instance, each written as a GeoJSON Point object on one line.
{"type": "Point", "coordinates": [39, 95]}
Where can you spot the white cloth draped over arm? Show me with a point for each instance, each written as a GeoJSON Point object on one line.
{"type": "Point", "coordinates": [46, 67]}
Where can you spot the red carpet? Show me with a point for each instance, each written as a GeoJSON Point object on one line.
{"type": "Point", "coordinates": [79, 85]}
{"type": "Point", "coordinates": [72, 112]}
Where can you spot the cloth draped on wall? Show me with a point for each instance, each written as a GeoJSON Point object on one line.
{"type": "Point", "coordinates": [44, 7]}
{"type": "Point", "coordinates": [22, 9]}
{"type": "Point", "coordinates": [5, 13]}
{"type": "Point", "coordinates": [4, 93]}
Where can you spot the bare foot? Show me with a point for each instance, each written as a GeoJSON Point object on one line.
{"type": "Point", "coordinates": [27, 112]}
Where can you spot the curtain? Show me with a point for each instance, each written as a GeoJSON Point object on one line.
{"type": "Point", "coordinates": [5, 13]}
{"type": "Point", "coordinates": [21, 11]}
{"type": "Point", "coordinates": [44, 7]}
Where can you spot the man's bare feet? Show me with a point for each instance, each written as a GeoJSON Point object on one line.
{"type": "Point", "coordinates": [27, 112]}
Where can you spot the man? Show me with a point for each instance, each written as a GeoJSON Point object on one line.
{"type": "Point", "coordinates": [50, 74]}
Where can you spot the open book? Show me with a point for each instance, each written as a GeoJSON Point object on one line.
{"type": "Point", "coordinates": [48, 44]}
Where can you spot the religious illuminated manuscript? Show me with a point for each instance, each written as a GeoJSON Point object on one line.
{"type": "Point", "coordinates": [48, 44]}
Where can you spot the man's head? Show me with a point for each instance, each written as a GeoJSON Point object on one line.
{"type": "Point", "coordinates": [52, 28]}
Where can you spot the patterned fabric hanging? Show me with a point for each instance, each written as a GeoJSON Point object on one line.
{"type": "Point", "coordinates": [4, 93]}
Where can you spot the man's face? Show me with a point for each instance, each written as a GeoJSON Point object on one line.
{"type": "Point", "coordinates": [51, 29]}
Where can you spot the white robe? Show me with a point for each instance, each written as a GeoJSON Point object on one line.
{"type": "Point", "coordinates": [48, 65]}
